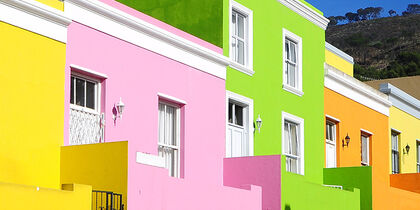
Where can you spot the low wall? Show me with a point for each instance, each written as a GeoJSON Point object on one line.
{"type": "Point", "coordinates": [24, 197]}
{"type": "Point", "coordinates": [410, 182]}
{"type": "Point", "coordinates": [264, 171]}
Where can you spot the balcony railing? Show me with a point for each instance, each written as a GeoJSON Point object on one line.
{"type": "Point", "coordinates": [104, 200]}
{"type": "Point", "coordinates": [86, 127]}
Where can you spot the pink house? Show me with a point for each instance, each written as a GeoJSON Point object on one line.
{"type": "Point", "coordinates": [161, 93]}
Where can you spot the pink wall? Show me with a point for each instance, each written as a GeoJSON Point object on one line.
{"type": "Point", "coordinates": [262, 171]}
{"type": "Point", "coordinates": [138, 75]}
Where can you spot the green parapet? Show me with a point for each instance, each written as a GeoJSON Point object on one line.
{"type": "Point", "coordinates": [352, 177]}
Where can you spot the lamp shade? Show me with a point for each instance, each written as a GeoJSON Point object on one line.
{"type": "Point", "coordinates": [120, 107]}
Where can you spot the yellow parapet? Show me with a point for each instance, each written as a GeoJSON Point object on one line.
{"type": "Point", "coordinates": [338, 59]}
{"type": "Point", "coordinates": [24, 197]}
{"type": "Point", "coordinates": [32, 104]}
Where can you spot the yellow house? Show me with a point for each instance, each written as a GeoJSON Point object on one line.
{"type": "Point", "coordinates": [32, 60]}
{"type": "Point", "coordinates": [338, 59]}
{"type": "Point", "coordinates": [404, 122]}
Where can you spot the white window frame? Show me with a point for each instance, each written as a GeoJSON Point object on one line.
{"type": "Point", "coordinates": [97, 82]}
{"type": "Point", "coordinates": [368, 136]}
{"type": "Point", "coordinates": [249, 103]}
{"type": "Point", "coordinates": [177, 135]}
{"type": "Point", "coordinates": [301, 138]}
{"type": "Point", "coordinates": [418, 155]}
{"type": "Point", "coordinates": [248, 67]}
{"type": "Point", "coordinates": [398, 134]}
{"type": "Point", "coordinates": [298, 40]}
{"type": "Point", "coordinates": [334, 124]}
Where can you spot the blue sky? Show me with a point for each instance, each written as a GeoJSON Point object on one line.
{"type": "Point", "coordinates": [341, 7]}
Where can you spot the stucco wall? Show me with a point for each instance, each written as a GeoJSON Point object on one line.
{"type": "Point", "coordinates": [338, 62]}
{"type": "Point", "coordinates": [32, 83]}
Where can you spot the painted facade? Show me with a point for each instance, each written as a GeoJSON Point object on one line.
{"type": "Point", "coordinates": [33, 40]}
{"type": "Point", "coordinates": [145, 67]}
{"type": "Point", "coordinates": [370, 117]}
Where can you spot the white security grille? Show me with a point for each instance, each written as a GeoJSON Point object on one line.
{"type": "Point", "coordinates": [85, 127]}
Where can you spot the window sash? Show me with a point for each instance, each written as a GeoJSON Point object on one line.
{"type": "Point", "coordinates": [330, 132]}
{"type": "Point", "coordinates": [365, 150]}
{"type": "Point", "coordinates": [94, 97]}
{"type": "Point", "coordinates": [291, 60]}
{"type": "Point", "coordinates": [418, 157]}
{"type": "Point", "coordinates": [237, 52]}
{"type": "Point", "coordinates": [168, 138]}
{"type": "Point", "coordinates": [395, 154]}
{"type": "Point", "coordinates": [292, 147]}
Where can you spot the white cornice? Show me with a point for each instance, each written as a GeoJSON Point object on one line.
{"type": "Point", "coordinates": [401, 99]}
{"type": "Point", "coordinates": [306, 12]}
{"type": "Point", "coordinates": [339, 52]}
{"type": "Point", "coordinates": [117, 23]}
{"type": "Point", "coordinates": [356, 90]}
{"type": "Point", "coordinates": [36, 17]}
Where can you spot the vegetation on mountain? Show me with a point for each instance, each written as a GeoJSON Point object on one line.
{"type": "Point", "coordinates": [382, 47]}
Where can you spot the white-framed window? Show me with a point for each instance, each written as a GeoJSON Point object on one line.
{"type": "Point", "coordinates": [418, 156]}
{"type": "Point", "coordinates": [364, 142]}
{"type": "Point", "coordinates": [292, 62]}
{"type": "Point", "coordinates": [84, 93]}
{"type": "Point", "coordinates": [241, 36]}
{"type": "Point", "coordinates": [293, 142]}
{"type": "Point", "coordinates": [169, 137]}
{"type": "Point", "coordinates": [395, 152]}
{"type": "Point", "coordinates": [330, 144]}
{"type": "Point", "coordinates": [239, 125]}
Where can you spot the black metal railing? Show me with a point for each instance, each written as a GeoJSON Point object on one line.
{"type": "Point", "coordinates": [104, 200]}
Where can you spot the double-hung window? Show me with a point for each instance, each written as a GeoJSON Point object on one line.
{"type": "Point", "coordinates": [330, 144]}
{"type": "Point", "coordinates": [241, 37]}
{"type": "Point", "coordinates": [364, 138]}
{"type": "Point", "coordinates": [418, 156]}
{"type": "Point", "coordinates": [292, 63]}
{"type": "Point", "coordinates": [169, 137]}
{"type": "Point", "coordinates": [84, 92]}
{"type": "Point", "coordinates": [395, 153]}
{"type": "Point", "coordinates": [293, 143]}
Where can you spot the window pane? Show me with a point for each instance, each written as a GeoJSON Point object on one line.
{"type": "Point", "coordinates": [170, 126]}
{"type": "Point", "coordinates": [287, 138]}
{"type": "Point", "coordinates": [80, 92]}
{"type": "Point", "coordinates": [291, 165]}
{"type": "Point", "coordinates": [294, 139]}
{"type": "Point", "coordinates": [241, 52]}
{"type": "Point", "coordinates": [364, 150]}
{"type": "Point", "coordinates": [241, 26]}
{"type": "Point", "coordinates": [291, 74]}
{"type": "Point", "coordinates": [234, 22]}
{"type": "Point", "coordinates": [161, 123]}
{"type": "Point", "coordinates": [72, 90]}
{"type": "Point", "coordinates": [234, 49]}
{"type": "Point", "coordinates": [239, 115]}
{"type": "Point", "coordinates": [293, 52]}
{"type": "Point", "coordinates": [90, 95]}
{"type": "Point", "coordinates": [287, 50]}
{"type": "Point", "coordinates": [230, 113]}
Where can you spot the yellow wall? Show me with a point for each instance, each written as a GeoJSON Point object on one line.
{"type": "Point", "coordinates": [104, 166]}
{"type": "Point", "coordinates": [24, 197]}
{"type": "Point", "coordinates": [54, 4]}
{"type": "Point", "coordinates": [338, 62]}
{"type": "Point", "coordinates": [32, 104]}
{"type": "Point", "coordinates": [409, 127]}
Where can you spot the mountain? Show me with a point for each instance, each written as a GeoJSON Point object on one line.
{"type": "Point", "coordinates": [382, 48]}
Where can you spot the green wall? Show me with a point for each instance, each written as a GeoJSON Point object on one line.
{"type": "Point", "coordinates": [202, 19]}
{"type": "Point", "coordinates": [352, 177]}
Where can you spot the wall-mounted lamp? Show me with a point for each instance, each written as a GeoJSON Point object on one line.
{"type": "Point", "coordinates": [259, 123]}
{"type": "Point", "coordinates": [407, 149]}
{"type": "Point", "coordinates": [120, 108]}
{"type": "Point", "coordinates": [347, 141]}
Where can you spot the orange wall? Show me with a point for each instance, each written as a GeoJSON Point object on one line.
{"type": "Point", "coordinates": [410, 182]}
{"type": "Point", "coordinates": [353, 117]}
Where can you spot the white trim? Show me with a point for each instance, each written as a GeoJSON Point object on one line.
{"type": "Point", "coordinates": [149, 159]}
{"type": "Point", "coordinates": [250, 104]}
{"type": "Point", "coordinates": [248, 67]}
{"type": "Point", "coordinates": [36, 17]}
{"type": "Point", "coordinates": [339, 52]}
{"type": "Point", "coordinates": [396, 131]}
{"type": "Point", "coordinates": [355, 90]}
{"type": "Point", "coordinates": [89, 71]}
{"type": "Point", "coordinates": [300, 122]}
{"type": "Point", "coordinates": [119, 24]}
{"type": "Point", "coordinates": [306, 12]}
{"type": "Point", "coordinates": [336, 120]}
{"type": "Point", "coordinates": [366, 131]}
{"type": "Point", "coordinates": [298, 40]}
{"type": "Point", "coordinates": [98, 92]}
{"type": "Point", "coordinates": [171, 98]}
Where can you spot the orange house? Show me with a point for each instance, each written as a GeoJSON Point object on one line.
{"type": "Point", "coordinates": [357, 137]}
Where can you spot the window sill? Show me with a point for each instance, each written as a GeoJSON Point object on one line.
{"type": "Point", "coordinates": [241, 68]}
{"type": "Point", "coordinates": [293, 90]}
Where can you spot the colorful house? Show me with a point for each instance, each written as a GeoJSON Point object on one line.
{"type": "Point", "coordinates": [262, 120]}
{"type": "Point", "coordinates": [33, 50]}
{"type": "Point", "coordinates": [145, 113]}
{"type": "Point", "coordinates": [357, 140]}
